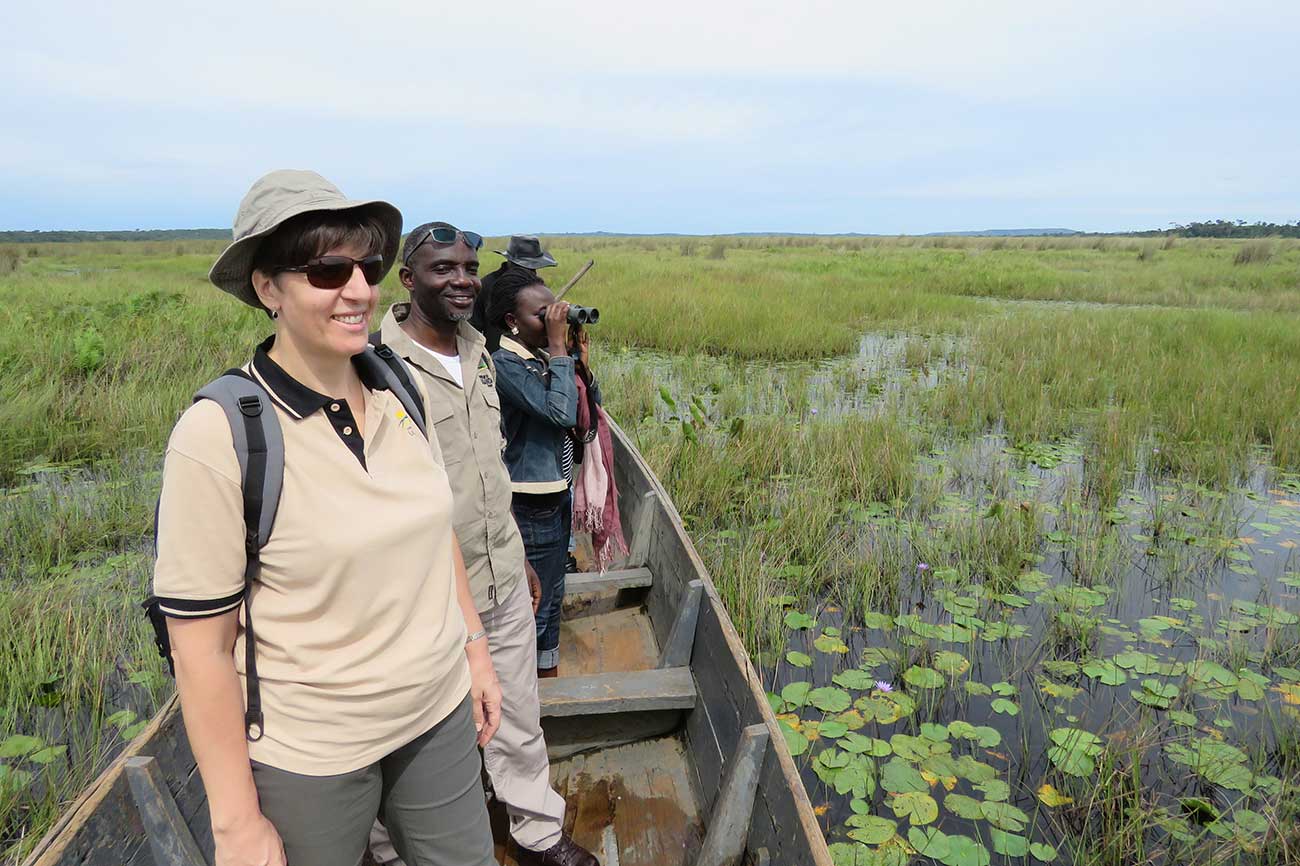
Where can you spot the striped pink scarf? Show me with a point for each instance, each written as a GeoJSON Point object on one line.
{"type": "Point", "coordinates": [595, 495]}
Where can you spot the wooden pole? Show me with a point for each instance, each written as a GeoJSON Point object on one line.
{"type": "Point", "coordinates": [579, 275]}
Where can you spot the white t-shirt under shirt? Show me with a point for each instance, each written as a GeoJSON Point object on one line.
{"type": "Point", "coordinates": [450, 363]}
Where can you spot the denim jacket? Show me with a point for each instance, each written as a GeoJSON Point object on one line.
{"type": "Point", "coordinates": [539, 406]}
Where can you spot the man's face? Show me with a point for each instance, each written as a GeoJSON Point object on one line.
{"type": "Point", "coordinates": [443, 281]}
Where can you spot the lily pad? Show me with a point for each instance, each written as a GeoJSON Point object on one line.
{"type": "Point", "coordinates": [797, 659]}
{"type": "Point", "coordinates": [1042, 852]}
{"type": "Point", "coordinates": [796, 742]}
{"type": "Point", "coordinates": [796, 694]}
{"type": "Point", "coordinates": [1105, 670]}
{"type": "Point", "coordinates": [965, 851]}
{"type": "Point", "coordinates": [1004, 706]}
{"type": "Point", "coordinates": [923, 678]}
{"type": "Point", "coordinates": [871, 829]}
{"type": "Point", "coordinates": [854, 678]}
{"type": "Point", "coordinates": [950, 663]}
{"type": "Point", "coordinates": [899, 777]}
{"type": "Point", "coordinates": [929, 842]}
{"type": "Point", "coordinates": [1050, 797]}
{"type": "Point", "coordinates": [829, 699]}
{"type": "Point", "coordinates": [1004, 816]}
{"type": "Point", "coordinates": [919, 808]}
{"type": "Point", "coordinates": [964, 807]}
{"type": "Point", "coordinates": [19, 745]}
{"type": "Point", "coordinates": [1008, 844]}
{"type": "Point", "coordinates": [1075, 751]}
{"type": "Point", "coordinates": [798, 621]}
{"type": "Point", "coordinates": [830, 644]}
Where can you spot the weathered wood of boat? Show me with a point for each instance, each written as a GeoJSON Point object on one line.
{"type": "Point", "coordinates": [662, 741]}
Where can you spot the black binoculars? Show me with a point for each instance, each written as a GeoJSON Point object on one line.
{"type": "Point", "coordinates": [580, 315]}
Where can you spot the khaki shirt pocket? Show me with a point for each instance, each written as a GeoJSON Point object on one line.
{"type": "Point", "coordinates": [446, 430]}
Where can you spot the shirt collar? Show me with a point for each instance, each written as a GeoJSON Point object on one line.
{"type": "Point", "coordinates": [469, 342]}
{"type": "Point", "coordinates": [293, 395]}
{"type": "Point", "coordinates": [521, 350]}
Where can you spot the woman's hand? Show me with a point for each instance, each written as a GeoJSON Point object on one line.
{"type": "Point", "coordinates": [251, 842]}
{"type": "Point", "coordinates": [557, 327]}
{"type": "Point", "coordinates": [534, 585]}
{"type": "Point", "coordinates": [484, 690]}
{"type": "Point", "coordinates": [579, 339]}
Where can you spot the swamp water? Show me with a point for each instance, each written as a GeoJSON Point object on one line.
{"type": "Point", "coordinates": [1122, 686]}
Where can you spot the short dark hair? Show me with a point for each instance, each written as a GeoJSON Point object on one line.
{"type": "Point", "coordinates": [418, 234]}
{"type": "Point", "coordinates": [302, 238]}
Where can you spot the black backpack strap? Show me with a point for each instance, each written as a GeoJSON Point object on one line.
{"type": "Point", "coordinates": [259, 446]}
{"type": "Point", "coordinates": [390, 368]}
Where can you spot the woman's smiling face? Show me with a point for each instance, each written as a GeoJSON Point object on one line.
{"type": "Point", "coordinates": [324, 323]}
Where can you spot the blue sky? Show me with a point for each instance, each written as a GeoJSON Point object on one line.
{"type": "Point", "coordinates": [672, 116]}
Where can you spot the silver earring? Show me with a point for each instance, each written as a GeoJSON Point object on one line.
{"type": "Point", "coordinates": [514, 331]}
{"type": "Point", "coordinates": [275, 314]}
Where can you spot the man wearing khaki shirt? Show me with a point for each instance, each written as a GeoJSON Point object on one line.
{"type": "Point", "coordinates": [440, 270]}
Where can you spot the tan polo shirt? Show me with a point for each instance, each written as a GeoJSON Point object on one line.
{"type": "Point", "coordinates": [468, 425]}
{"type": "Point", "coordinates": [360, 639]}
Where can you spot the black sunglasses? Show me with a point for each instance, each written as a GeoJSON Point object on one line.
{"type": "Point", "coordinates": [446, 235]}
{"type": "Point", "coordinates": [333, 272]}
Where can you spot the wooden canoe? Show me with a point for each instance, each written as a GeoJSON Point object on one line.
{"type": "Point", "coordinates": [661, 738]}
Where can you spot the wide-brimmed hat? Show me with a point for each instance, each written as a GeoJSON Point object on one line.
{"type": "Point", "coordinates": [280, 196]}
{"type": "Point", "coordinates": [526, 251]}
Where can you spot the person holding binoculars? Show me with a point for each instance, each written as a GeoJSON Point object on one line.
{"type": "Point", "coordinates": [538, 380]}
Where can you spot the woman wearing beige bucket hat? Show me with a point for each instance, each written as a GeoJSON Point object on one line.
{"type": "Point", "coordinates": [367, 675]}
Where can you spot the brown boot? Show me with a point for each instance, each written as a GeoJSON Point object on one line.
{"type": "Point", "coordinates": [565, 852]}
{"type": "Point", "coordinates": [547, 673]}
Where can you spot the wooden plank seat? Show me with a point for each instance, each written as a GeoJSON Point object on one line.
{"type": "Point", "coordinates": [618, 692]}
{"type": "Point", "coordinates": [578, 582]}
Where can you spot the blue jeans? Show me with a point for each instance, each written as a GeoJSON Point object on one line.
{"type": "Point", "coordinates": [545, 531]}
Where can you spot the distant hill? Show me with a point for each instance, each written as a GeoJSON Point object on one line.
{"type": "Point", "coordinates": [1004, 233]}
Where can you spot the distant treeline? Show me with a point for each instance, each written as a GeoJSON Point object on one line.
{"type": "Point", "coordinates": [1230, 229]}
{"type": "Point", "coordinates": [63, 237]}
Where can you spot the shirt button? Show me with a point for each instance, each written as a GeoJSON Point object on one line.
{"type": "Point", "coordinates": [347, 431]}
{"type": "Point", "coordinates": [334, 407]}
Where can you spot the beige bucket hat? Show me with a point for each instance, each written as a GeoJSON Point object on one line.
{"type": "Point", "coordinates": [280, 196]}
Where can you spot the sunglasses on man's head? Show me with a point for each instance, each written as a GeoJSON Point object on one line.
{"type": "Point", "coordinates": [446, 235]}
{"type": "Point", "coordinates": [333, 272]}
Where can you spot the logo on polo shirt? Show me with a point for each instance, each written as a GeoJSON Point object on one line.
{"type": "Point", "coordinates": [483, 375]}
{"type": "Point", "coordinates": [405, 422]}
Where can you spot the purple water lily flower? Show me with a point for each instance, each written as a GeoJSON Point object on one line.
{"type": "Point", "coordinates": [884, 686]}
{"type": "Point", "coordinates": [922, 566]}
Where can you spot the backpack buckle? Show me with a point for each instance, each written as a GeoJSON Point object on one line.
{"type": "Point", "coordinates": [383, 351]}
{"type": "Point", "coordinates": [250, 406]}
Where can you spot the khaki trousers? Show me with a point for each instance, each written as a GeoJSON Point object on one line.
{"type": "Point", "coordinates": [516, 757]}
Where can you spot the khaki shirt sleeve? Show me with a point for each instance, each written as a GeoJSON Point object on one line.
{"type": "Point", "coordinates": [418, 378]}
{"type": "Point", "coordinates": [199, 571]}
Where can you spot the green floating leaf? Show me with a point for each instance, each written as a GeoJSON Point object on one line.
{"type": "Point", "coordinates": [994, 789]}
{"type": "Point", "coordinates": [829, 699]}
{"type": "Point", "coordinates": [830, 644]}
{"type": "Point", "coordinates": [798, 621]}
{"type": "Point", "coordinates": [832, 730]}
{"type": "Point", "coordinates": [1181, 717]}
{"type": "Point", "coordinates": [1075, 751]}
{"type": "Point", "coordinates": [1004, 706]}
{"type": "Point", "coordinates": [919, 808]}
{"type": "Point", "coordinates": [965, 851]}
{"type": "Point", "coordinates": [1008, 844]}
{"type": "Point", "coordinates": [899, 777]}
{"type": "Point", "coordinates": [47, 754]}
{"type": "Point", "coordinates": [798, 659]}
{"type": "Point", "coordinates": [1250, 822]}
{"type": "Point", "coordinates": [1105, 670]}
{"type": "Point", "coordinates": [13, 780]}
{"type": "Point", "coordinates": [854, 678]}
{"type": "Point", "coordinates": [923, 678]}
{"type": "Point", "coordinates": [1004, 816]}
{"type": "Point", "coordinates": [964, 807]}
{"type": "Point", "coordinates": [796, 694]}
{"type": "Point", "coordinates": [871, 829]}
{"type": "Point", "coordinates": [844, 854]}
{"type": "Point", "coordinates": [796, 742]}
{"type": "Point", "coordinates": [20, 745]}
{"type": "Point", "coordinates": [931, 731]}
{"type": "Point", "coordinates": [974, 688]}
{"type": "Point", "coordinates": [929, 842]}
{"type": "Point", "coordinates": [1005, 689]}
{"type": "Point", "coordinates": [951, 663]}
{"type": "Point", "coordinates": [1042, 852]}
{"type": "Point", "coordinates": [860, 745]}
